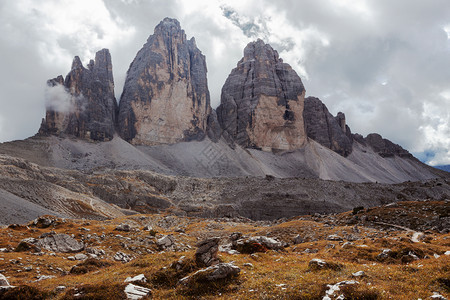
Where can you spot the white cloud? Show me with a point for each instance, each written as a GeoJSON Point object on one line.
{"type": "Point", "coordinates": [67, 28]}
{"type": "Point", "coordinates": [58, 99]}
{"type": "Point", "coordinates": [447, 30]}
{"type": "Point", "coordinates": [436, 130]}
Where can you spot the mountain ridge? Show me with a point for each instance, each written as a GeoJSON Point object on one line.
{"type": "Point", "coordinates": [165, 101]}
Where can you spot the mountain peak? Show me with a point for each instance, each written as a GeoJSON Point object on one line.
{"type": "Point", "coordinates": [165, 98]}
{"type": "Point", "coordinates": [262, 102]}
{"type": "Point", "coordinates": [82, 105]}
{"type": "Point", "coordinates": [168, 25]}
{"type": "Point", "coordinates": [76, 63]}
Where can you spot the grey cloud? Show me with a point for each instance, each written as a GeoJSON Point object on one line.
{"type": "Point", "coordinates": [253, 28]}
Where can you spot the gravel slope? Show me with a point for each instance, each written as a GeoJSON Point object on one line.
{"type": "Point", "coordinates": [17, 210]}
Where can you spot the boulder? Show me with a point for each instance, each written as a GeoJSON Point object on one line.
{"type": "Point", "coordinates": [135, 292]}
{"type": "Point", "coordinates": [298, 239]}
{"type": "Point", "coordinates": [3, 281]}
{"type": "Point", "coordinates": [256, 244]}
{"type": "Point", "coordinates": [213, 273]}
{"type": "Point", "coordinates": [334, 237]}
{"type": "Point", "coordinates": [262, 101]}
{"type": "Point", "coordinates": [167, 242]}
{"type": "Point", "coordinates": [60, 242]}
{"type": "Point", "coordinates": [123, 227]}
{"type": "Point", "coordinates": [28, 244]}
{"type": "Point", "coordinates": [206, 254]}
{"type": "Point", "coordinates": [81, 256]}
{"type": "Point", "coordinates": [137, 278]}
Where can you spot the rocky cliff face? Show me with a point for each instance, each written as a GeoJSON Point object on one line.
{"type": "Point", "coordinates": [82, 105]}
{"type": "Point", "coordinates": [321, 126]}
{"type": "Point", "coordinates": [385, 147]}
{"type": "Point", "coordinates": [262, 102]}
{"type": "Point", "coordinates": [165, 98]}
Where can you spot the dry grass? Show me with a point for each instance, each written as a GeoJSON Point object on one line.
{"type": "Point", "coordinates": [273, 275]}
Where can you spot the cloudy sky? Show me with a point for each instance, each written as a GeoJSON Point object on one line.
{"type": "Point", "coordinates": [384, 63]}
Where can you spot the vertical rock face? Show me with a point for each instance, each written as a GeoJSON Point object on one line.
{"type": "Point", "coordinates": [165, 98]}
{"type": "Point", "coordinates": [82, 105]}
{"type": "Point", "coordinates": [321, 126]}
{"type": "Point", "coordinates": [262, 102]}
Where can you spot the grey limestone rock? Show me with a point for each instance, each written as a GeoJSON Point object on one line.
{"type": "Point", "coordinates": [60, 243]}
{"type": "Point", "coordinates": [212, 273]}
{"type": "Point", "coordinates": [83, 104]}
{"type": "Point", "coordinates": [206, 254]}
{"type": "Point", "coordinates": [385, 147]}
{"type": "Point", "coordinates": [120, 256]}
{"type": "Point", "coordinates": [321, 126]}
{"type": "Point", "coordinates": [262, 102]}
{"type": "Point", "coordinates": [165, 98]}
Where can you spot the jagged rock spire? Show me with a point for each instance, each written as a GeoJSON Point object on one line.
{"type": "Point", "coordinates": [83, 105]}
{"type": "Point", "coordinates": [262, 102]}
{"type": "Point", "coordinates": [165, 98]}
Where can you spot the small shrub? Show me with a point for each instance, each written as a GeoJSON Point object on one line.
{"type": "Point", "coordinates": [357, 209]}
{"type": "Point", "coordinates": [100, 292]}
{"type": "Point", "coordinates": [249, 248]}
{"type": "Point", "coordinates": [352, 292]}
{"type": "Point", "coordinates": [200, 288]}
{"type": "Point", "coordinates": [314, 266]}
{"type": "Point", "coordinates": [23, 293]}
{"type": "Point", "coordinates": [169, 277]}
{"type": "Point", "coordinates": [89, 265]}
{"type": "Point", "coordinates": [444, 283]}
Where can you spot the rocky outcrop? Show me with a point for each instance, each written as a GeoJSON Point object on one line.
{"type": "Point", "coordinates": [83, 104]}
{"type": "Point", "coordinates": [165, 98]}
{"type": "Point", "coordinates": [206, 254]}
{"type": "Point", "coordinates": [262, 102]}
{"type": "Point", "coordinates": [385, 147]}
{"type": "Point", "coordinates": [329, 131]}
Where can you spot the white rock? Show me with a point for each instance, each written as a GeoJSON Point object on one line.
{"type": "Point", "coordinates": [44, 277]}
{"type": "Point", "coordinates": [140, 277]}
{"type": "Point", "coordinates": [135, 292]}
{"type": "Point", "coordinates": [447, 253]}
{"type": "Point", "coordinates": [3, 280]}
{"type": "Point", "coordinates": [334, 237]}
{"type": "Point", "coordinates": [60, 288]}
{"type": "Point", "coordinates": [359, 274]}
{"type": "Point", "coordinates": [332, 289]}
{"type": "Point", "coordinates": [437, 296]}
{"type": "Point", "coordinates": [81, 256]}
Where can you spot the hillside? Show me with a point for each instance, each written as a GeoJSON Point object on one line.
{"type": "Point", "coordinates": [302, 258]}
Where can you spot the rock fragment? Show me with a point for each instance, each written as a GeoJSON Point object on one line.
{"type": "Point", "coordinates": [135, 292]}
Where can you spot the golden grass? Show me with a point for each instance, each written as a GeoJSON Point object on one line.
{"type": "Point", "coordinates": [274, 275]}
